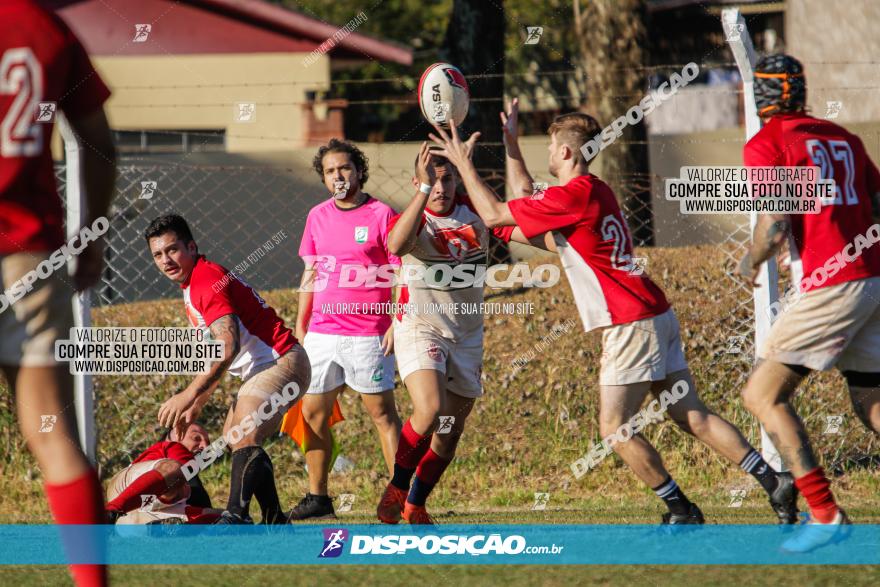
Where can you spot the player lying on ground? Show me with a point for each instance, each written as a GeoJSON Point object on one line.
{"type": "Point", "coordinates": [43, 65]}
{"type": "Point", "coordinates": [835, 268]}
{"type": "Point", "coordinates": [153, 488]}
{"type": "Point", "coordinates": [641, 347]}
{"type": "Point", "coordinates": [439, 356]}
{"type": "Point", "coordinates": [258, 348]}
{"type": "Point", "coordinates": [347, 347]}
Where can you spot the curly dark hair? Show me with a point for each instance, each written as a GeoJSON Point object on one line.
{"type": "Point", "coordinates": [357, 156]}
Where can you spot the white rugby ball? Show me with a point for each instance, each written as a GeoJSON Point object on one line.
{"type": "Point", "coordinates": [443, 94]}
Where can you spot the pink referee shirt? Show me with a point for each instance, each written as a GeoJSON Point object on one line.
{"type": "Point", "coordinates": [347, 248]}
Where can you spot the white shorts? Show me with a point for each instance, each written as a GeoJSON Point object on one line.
{"type": "Point", "coordinates": [644, 350]}
{"type": "Point", "coordinates": [152, 512]}
{"type": "Point", "coordinates": [831, 326]}
{"type": "Point", "coordinates": [356, 361]}
{"type": "Point", "coordinates": [419, 346]}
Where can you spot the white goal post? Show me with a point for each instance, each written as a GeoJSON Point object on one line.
{"type": "Point", "coordinates": [75, 204]}
{"type": "Point", "coordinates": [737, 34]}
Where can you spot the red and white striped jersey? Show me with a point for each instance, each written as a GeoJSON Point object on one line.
{"type": "Point", "coordinates": [212, 292]}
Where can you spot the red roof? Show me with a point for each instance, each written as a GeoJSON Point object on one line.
{"type": "Point", "coordinates": [107, 28]}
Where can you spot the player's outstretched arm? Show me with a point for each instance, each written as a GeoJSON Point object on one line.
{"type": "Point", "coordinates": [184, 407]}
{"type": "Point", "coordinates": [544, 241]}
{"type": "Point", "coordinates": [518, 176]}
{"type": "Point", "coordinates": [402, 237]}
{"type": "Point", "coordinates": [493, 211]}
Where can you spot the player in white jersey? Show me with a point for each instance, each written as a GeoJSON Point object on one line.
{"type": "Point", "coordinates": [439, 355]}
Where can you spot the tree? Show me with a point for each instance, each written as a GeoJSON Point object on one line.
{"type": "Point", "coordinates": [613, 37]}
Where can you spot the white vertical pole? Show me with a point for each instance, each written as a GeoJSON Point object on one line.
{"type": "Point", "coordinates": [83, 388]}
{"type": "Point", "coordinates": [740, 42]}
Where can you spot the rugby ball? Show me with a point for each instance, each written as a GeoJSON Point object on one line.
{"type": "Point", "coordinates": [443, 94]}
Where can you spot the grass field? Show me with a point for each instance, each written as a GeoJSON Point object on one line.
{"type": "Point", "coordinates": [521, 439]}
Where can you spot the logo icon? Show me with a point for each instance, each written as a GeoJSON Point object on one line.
{"type": "Point", "coordinates": [436, 353]}
{"type": "Point", "coordinates": [245, 112]}
{"type": "Point", "coordinates": [148, 502]}
{"type": "Point", "coordinates": [833, 424]}
{"type": "Point", "coordinates": [45, 112]}
{"type": "Point", "coordinates": [533, 34]}
{"type": "Point", "coordinates": [541, 501]}
{"type": "Point", "coordinates": [360, 234]}
{"type": "Point", "coordinates": [446, 423]}
{"type": "Point", "coordinates": [334, 539]}
{"type": "Point", "coordinates": [346, 500]}
{"type": "Point", "coordinates": [378, 374]}
{"type": "Point", "coordinates": [455, 77]}
{"type": "Point", "coordinates": [141, 32]}
{"type": "Point", "coordinates": [148, 189]}
{"type": "Point", "coordinates": [441, 112]}
{"type": "Point", "coordinates": [538, 189]}
{"type": "Point", "coordinates": [736, 497]}
{"type": "Point", "coordinates": [735, 344]}
{"type": "Point", "coordinates": [832, 109]}
{"type": "Point", "coordinates": [637, 266]}
{"type": "Point", "coordinates": [734, 31]}
{"type": "Point", "coordinates": [47, 423]}
{"type": "Point", "coordinates": [340, 189]}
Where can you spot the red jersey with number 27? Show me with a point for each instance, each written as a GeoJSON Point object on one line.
{"type": "Point", "coordinates": [43, 69]}
{"type": "Point", "coordinates": [797, 139]}
{"type": "Point", "coordinates": [595, 248]}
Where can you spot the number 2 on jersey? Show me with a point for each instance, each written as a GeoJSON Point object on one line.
{"type": "Point", "coordinates": [21, 76]}
{"type": "Point", "coordinates": [615, 231]}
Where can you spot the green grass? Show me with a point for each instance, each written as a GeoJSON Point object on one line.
{"type": "Point", "coordinates": [510, 576]}
{"type": "Point", "coordinates": [525, 432]}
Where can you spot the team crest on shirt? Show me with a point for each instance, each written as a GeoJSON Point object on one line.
{"type": "Point", "coordinates": [360, 234]}
{"type": "Point", "coordinates": [435, 353]}
{"type": "Point", "coordinates": [457, 242]}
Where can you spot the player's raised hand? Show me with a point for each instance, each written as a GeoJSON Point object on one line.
{"type": "Point", "coordinates": [510, 125]}
{"type": "Point", "coordinates": [457, 152]}
{"type": "Point", "coordinates": [424, 170]}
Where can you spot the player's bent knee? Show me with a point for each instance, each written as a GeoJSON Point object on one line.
{"type": "Point", "coordinates": [167, 467]}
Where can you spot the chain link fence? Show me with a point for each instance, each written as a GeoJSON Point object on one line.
{"type": "Point", "coordinates": [234, 211]}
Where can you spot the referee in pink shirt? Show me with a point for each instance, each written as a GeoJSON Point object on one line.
{"type": "Point", "coordinates": [343, 316]}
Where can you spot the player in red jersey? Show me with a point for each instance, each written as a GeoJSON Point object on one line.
{"type": "Point", "coordinates": [834, 317]}
{"type": "Point", "coordinates": [641, 346]}
{"type": "Point", "coordinates": [43, 70]}
{"type": "Point", "coordinates": [153, 489]}
{"type": "Point", "coordinates": [439, 354]}
{"type": "Point", "coordinates": [258, 348]}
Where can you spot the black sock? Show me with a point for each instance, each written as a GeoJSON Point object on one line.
{"type": "Point", "coordinates": [419, 492]}
{"type": "Point", "coordinates": [253, 476]}
{"type": "Point", "coordinates": [757, 467]}
{"type": "Point", "coordinates": [402, 477]}
{"type": "Point", "coordinates": [673, 496]}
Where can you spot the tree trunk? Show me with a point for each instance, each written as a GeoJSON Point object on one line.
{"type": "Point", "coordinates": [612, 39]}
{"type": "Point", "coordinates": [474, 42]}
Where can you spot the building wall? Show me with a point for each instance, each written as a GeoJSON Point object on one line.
{"type": "Point", "coordinates": [201, 92]}
{"type": "Point", "coordinates": [838, 45]}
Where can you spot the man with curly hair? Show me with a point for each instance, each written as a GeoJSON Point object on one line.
{"type": "Point", "coordinates": [344, 317]}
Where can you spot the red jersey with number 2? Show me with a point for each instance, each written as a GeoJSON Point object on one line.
{"type": "Point", "coordinates": [43, 70]}
{"type": "Point", "coordinates": [798, 139]}
{"type": "Point", "coordinates": [595, 248]}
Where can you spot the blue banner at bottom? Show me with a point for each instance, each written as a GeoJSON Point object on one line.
{"type": "Point", "coordinates": [481, 544]}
